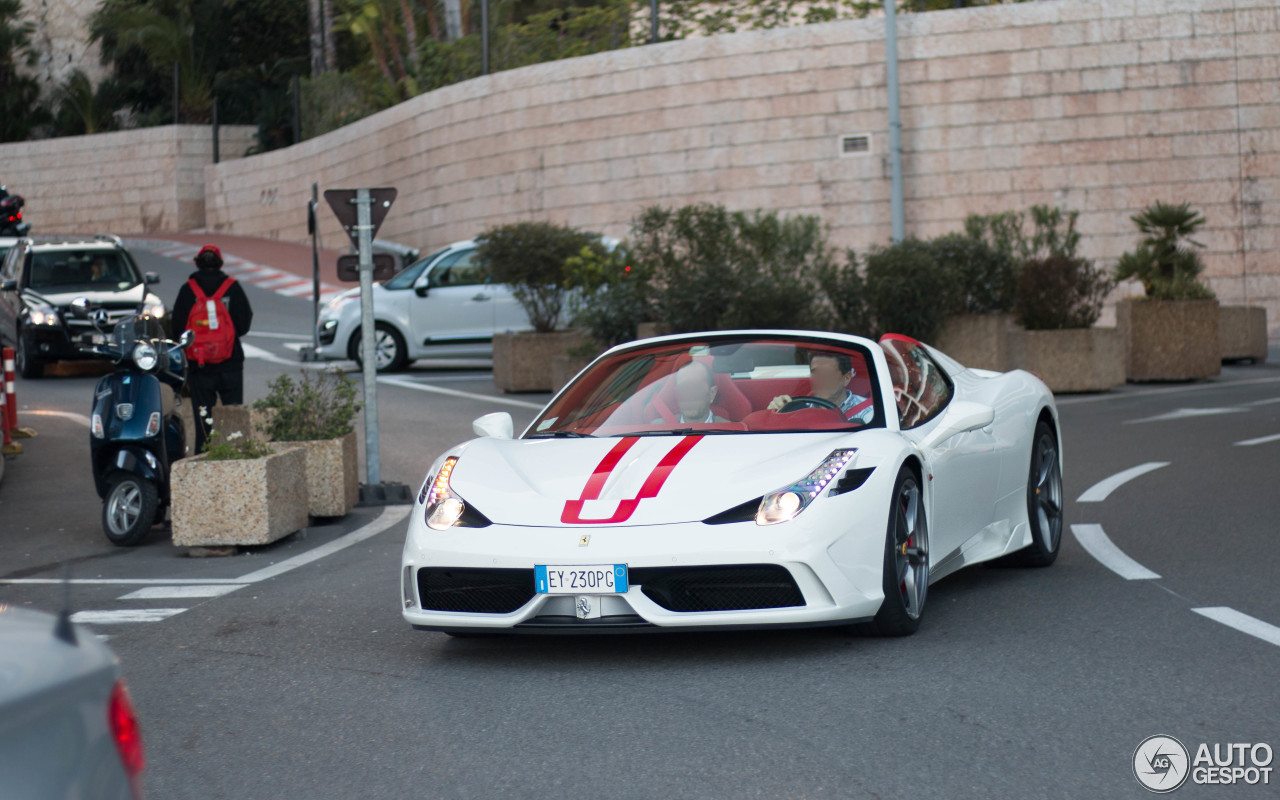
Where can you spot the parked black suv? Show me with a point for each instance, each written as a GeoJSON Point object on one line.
{"type": "Point", "coordinates": [40, 278]}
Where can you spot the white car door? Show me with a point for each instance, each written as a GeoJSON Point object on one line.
{"type": "Point", "coordinates": [452, 303]}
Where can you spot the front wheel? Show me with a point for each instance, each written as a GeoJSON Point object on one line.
{"type": "Point", "coordinates": [129, 509]}
{"type": "Point", "coordinates": [906, 561]}
{"type": "Point", "coordinates": [390, 352]}
{"type": "Point", "coordinates": [29, 364]}
{"type": "Point", "coordinates": [1044, 502]}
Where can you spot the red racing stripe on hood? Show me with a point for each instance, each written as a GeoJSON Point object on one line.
{"type": "Point", "coordinates": [572, 514]}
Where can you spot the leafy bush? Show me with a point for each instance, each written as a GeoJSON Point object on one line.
{"type": "Point", "coordinates": [231, 447]}
{"type": "Point", "coordinates": [908, 291]}
{"type": "Point", "coordinates": [985, 277]}
{"type": "Point", "coordinates": [713, 269]}
{"type": "Point", "coordinates": [317, 407]}
{"type": "Point", "coordinates": [845, 293]}
{"type": "Point", "coordinates": [1167, 260]}
{"type": "Point", "coordinates": [530, 257]}
{"type": "Point", "coordinates": [610, 296]}
{"type": "Point", "coordinates": [1058, 292]}
{"type": "Point", "coordinates": [1053, 232]}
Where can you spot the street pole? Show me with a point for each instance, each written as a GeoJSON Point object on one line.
{"type": "Point", "coordinates": [313, 222]}
{"type": "Point", "coordinates": [484, 37]}
{"type": "Point", "coordinates": [895, 122]}
{"type": "Point", "coordinates": [653, 21]}
{"type": "Point", "coordinates": [368, 345]}
{"type": "Point", "coordinates": [215, 130]}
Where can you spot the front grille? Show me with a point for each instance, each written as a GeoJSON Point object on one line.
{"type": "Point", "coordinates": [481, 591]}
{"type": "Point", "coordinates": [721, 588]}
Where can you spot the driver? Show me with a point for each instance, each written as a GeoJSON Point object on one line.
{"type": "Point", "coordinates": [829, 375]}
{"type": "Point", "coordinates": [98, 269]}
{"type": "Point", "coordinates": [695, 392]}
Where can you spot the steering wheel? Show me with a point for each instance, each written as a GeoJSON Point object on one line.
{"type": "Point", "coordinates": [806, 401]}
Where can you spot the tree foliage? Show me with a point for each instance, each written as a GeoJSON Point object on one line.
{"type": "Point", "coordinates": [530, 257]}
{"type": "Point", "coordinates": [19, 94]}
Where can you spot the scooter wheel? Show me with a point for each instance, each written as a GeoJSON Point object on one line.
{"type": "Point", "coordinates": [129, 509]}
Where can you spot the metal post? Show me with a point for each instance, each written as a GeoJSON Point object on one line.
{"type": "Point", "coordinates": [175, 93]}
{"type": "Point", "coordinates": [895, 122]}
{"type": "Point", "coordinates": [368, 345]}
{"type": "Point", "coordinates": [314, 220]}
{"type": "Point", "coordinates": [215, 130]}
{"type": "Point", "coordinates": [297, 110]}
{"type": "Point", "coordinates": [484, 37]}
{"type": "Point", "coordinates": [653, 21]}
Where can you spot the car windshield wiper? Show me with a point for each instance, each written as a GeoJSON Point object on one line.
{"type": "Point", "coordinates": [685, 432]}
{"type": "Point", "coordinates": [560, 435]}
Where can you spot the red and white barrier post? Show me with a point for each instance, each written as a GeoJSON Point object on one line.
{"type": "Point", "coordinates": [9, 413]}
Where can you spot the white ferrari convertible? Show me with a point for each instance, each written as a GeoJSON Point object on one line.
{"type": "Point", "coordinates": [738, 479]}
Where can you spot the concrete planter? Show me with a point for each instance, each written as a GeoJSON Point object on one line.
{"type": "Point", "coordinates": [564, 368]}
{"type": "Point", "coordinates": [1169, 340]}
{"type": "Point", "coordinates": [1242, 333]}
{"type": "Point", "coordinates": [522, 361]}
{"type": "Point", "coordinates": [977, 340]}
{"type": "Point", "coordinates": [333, 485]}
{"type": "Point", "coordinates": [1072, 360]}
{"type": "Point", "coordinates": [249, 421]}
{"type": "Point", "coordinates": [241, 502]}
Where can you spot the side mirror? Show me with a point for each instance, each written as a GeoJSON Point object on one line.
{"type": "Point", "coordinates": [79, 307]}
{"type": "Point", "coordinates": [9, 286]}
{"type": "Point", "coordinates": [422, 291]}
{"type": "Point", "coordinates": [151, 279]}
{"type": "Point", "coordinates": [188, 336]}
{"type": "Point", "coordinates": [961, 417]}
{"type": "Point", "coordinates": [497, 425]}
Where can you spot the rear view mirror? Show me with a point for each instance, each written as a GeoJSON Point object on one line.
{"type": "Point", "coordinates": [188, 336]}
{"type": "Point", "coordinates": [497, 425]}
{"type": "Point", "coordinates": [960, 417]}
{"type": "Point", "coordinates": [422, 291]}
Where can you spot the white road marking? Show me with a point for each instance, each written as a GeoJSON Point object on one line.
{"type": "Point", "coordinates": [264, 277]}
{"type": "Point", "coordinates": [71, 415]}
{"type": "Point", "coordinates": [1242, 622]}
{"type": "Point", "coordinates": [1095, 540]}
{"type": "Point", "coordinates": [297, 337]}
{"type": "Point", "coordinates": [124, 615]}
{"type": "Point", "coordinates": [118, 581]}
{"type": "Point", "coordinates": [1186, 413]}
{"type": "Point", "coordinates": [280, 281]}
{"type": "Point", "coordinates": [1103, 488]}
{"type": "Point", "coordinates": [1267, 402]}
{"type": "Point", "coordinates": [423, 387]}
{"type": "Point", "coordinates": [296, 291]}
{"type": "Point", "coordinates": [1259, 440]}
{"type": "Point", "coordinates": [182, 592]}
{"type": "Point", "coordinates": [389, 516]}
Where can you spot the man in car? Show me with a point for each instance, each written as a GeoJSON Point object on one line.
{"type": "Point", "coordinates": [695, 392]}
{"type": "Point", "coordinates": [829, 376]}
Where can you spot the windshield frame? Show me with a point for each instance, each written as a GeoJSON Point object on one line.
{"type": "Point", "coordinates": [91, 252]}
{"type": "Point", "coordinates": [669, 347]}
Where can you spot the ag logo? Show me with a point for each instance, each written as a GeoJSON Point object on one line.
{"type": "Point", "coordinates": [1160, 763]}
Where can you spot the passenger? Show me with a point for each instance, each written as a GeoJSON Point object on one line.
{"type": "Point", "coordinates": [829, 376]}
{"type": "Point", "coordinates": [695, 392]}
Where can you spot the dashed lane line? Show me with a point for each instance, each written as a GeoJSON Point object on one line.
{"type": "Point", "coordinates": [1102, 489]}
{"type": "Point", "coordinates": [1242, 622]}
{"type": "Point", "coordinates": [1259, 440]}
{"type": "Point", "coordinates": [124, 615]}
{"type": "Point", "coordinates": [1096, 542]}
{"type": "Point", "coordinates": [182, 592]}
{"type": "Point", "coordinates": [423, 387]}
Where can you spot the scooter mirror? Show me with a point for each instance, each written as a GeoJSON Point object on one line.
{"type": "Point", "coordinates": [80, 307]}
{"type": "Point", "coordinates": [188, 336]}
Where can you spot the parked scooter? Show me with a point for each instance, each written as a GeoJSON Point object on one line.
{"type": "Point", "coordinates": [11, 223]}
{"type": "Point", "coordinates": [136, 432]}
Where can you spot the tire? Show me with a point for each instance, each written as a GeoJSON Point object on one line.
{"type": "Point", "coordinates": [906, 561]}
{"type": "Point", "coordinates": [129, 509]}
{"type": "Point", "coordinates": [392, 354]}
{"type": "Point", "coordinates": [29, 365]}
{"type": "Point", "coordinates": [1044, 502]}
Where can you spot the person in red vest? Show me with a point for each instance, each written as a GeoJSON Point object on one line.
{"type": "Point", "coordinates": [215, 309]}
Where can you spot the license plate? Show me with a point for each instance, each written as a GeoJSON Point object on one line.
{"type": "Point", "coordinates": [580, 579]}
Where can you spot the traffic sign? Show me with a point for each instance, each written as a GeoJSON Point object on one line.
{"type": "Point", "coordinates": [384, 267]}
{"type": "Point", "coordinates": [343, 203]}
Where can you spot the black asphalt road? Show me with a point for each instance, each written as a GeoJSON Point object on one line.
{"type": "Point", "coordinates": [1020, 683]}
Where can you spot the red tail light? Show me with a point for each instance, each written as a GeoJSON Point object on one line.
{"type": "Point", "coordinates": [127, 735]}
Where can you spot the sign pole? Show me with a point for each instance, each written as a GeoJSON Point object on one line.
{"type": "Point", "coordinates": [314, 224]}
{"type": "Point", "coordinates": [368, 345]}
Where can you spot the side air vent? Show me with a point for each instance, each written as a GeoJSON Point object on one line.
{"type": "Point", "coordinates": [855, 144]}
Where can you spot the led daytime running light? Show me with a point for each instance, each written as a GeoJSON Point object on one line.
{"type": "Point", "coordinates": [785, 504]}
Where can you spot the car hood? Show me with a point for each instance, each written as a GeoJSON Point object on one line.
{"type": "Point", "coordinates": [131, 296]}
{"type": "Point", "coordinates": [645, 480]}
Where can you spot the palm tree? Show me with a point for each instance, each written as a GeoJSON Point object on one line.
{"type": "Point", "coordinates": [167, 37]}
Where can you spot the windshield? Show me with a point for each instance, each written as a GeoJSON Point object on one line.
{"type": "Point", "coordinates": [131, 329]}
{"type": "Point", "coordinates": [406, 278]}
{"type": "Point", "coordinates": [720, 384]}
{"type": "Point", "coordinates": [82, 270]}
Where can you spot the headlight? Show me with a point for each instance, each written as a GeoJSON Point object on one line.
{"type": "Point", "coordinates": [339, 301]}
{"type": "Point", "coordinates": [154, 307]}
{"type": "Point", "coordinates": [785, 504]}
{"type": "Point", "coordinates": [144, 355]}
{"type": "Point", "coordinates": [43, 317]}
{"type": "Point", "coordinates": [443, 508]}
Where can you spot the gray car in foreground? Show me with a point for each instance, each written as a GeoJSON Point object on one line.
{"type": "Point", "coordinates": [67, 725]}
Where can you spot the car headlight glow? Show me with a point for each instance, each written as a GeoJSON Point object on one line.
{"type": "Point", "coordinates": [43, 317]}
{"type": "Point", "coordinates": [144, 355]}
{"type": "Point", "coordinates": [785, 504]}
{"type": "Point", "coordinates": [442, 507]}
{"type": "Point", "coordinates": [154, 307]}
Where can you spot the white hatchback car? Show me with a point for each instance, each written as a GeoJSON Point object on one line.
{"type": "Point", "coordinates": [440, 306]}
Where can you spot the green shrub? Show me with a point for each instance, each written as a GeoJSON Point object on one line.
{"type": "Point", "coordinates": [530, 257]}
{"type": "Point", "coordinates": [322, 406]}
{"type": "Point", "coordinates": [714, 269]}
{"type": "Point", "coordinates": [1058, 292]}
{"type": "Point", "coordinates": [845, 295]}
{"type": "Point", "coordinates": [907, 291]}
{"type": "Point", "coordinates": [1167, 260]}
{"type": "Point", "coordinates": [609, 296]}
{"type": "Point", "coordinates": [1052, 233]}
{"type": "Point", "coordinates": [985, 277]}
